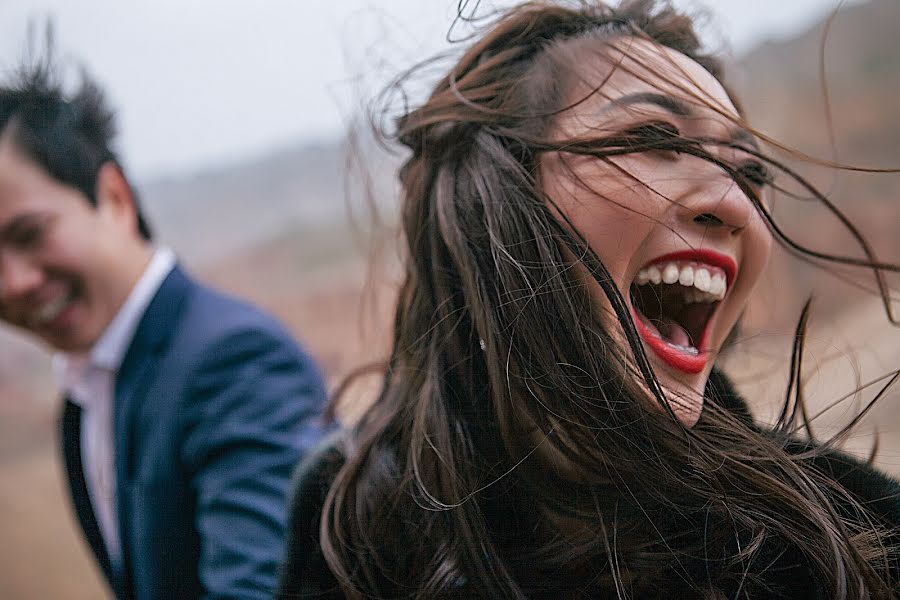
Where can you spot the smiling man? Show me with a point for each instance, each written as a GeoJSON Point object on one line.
{"type": "Point", "coordinates": [185, 410]}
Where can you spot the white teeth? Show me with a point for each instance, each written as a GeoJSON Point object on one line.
{"type": "Point", "coordinates": [50, 310]}
{"type": "Point", "coordinates": [702, 279]}
{"type": "Point", "coordinates": [705, 284]}
{"type": "Point", "coordinates": [688, 349]}
{"type": "Point", "coordinates": [717, 285]}
{"type": "Point", "coordinates": [670, 273]}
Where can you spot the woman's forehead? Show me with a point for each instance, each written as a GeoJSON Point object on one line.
{"type": "Point", "coordinates": [631, 66]}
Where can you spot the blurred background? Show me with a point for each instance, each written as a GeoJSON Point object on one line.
{"type": "Point", "coordinates": [233, 118]}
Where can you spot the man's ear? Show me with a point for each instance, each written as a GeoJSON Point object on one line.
{"type": "Point", "coordinates": [115, 200]}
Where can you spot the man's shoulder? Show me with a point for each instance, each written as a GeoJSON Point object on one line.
{"type": "Point", "coordinates": [215, 343]}
{"type": "Point", "coordinates": [211, 317]}
{"type": "Point", "coordinates": [213, 337]}
{"type": "Point", "coordinates": [225, 352]}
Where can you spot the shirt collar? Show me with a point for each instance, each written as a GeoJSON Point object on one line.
{"type": "Point", "coordinates": [109, 350]}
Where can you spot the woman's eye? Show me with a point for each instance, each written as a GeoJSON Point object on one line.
{"type": "Point", "coordinates": [666, 154]}
{"type": "Point", "coordinates": [755, 172]}
{"type": "Point", "coordinates": [657, 137]}
{"type": "Point", "coordinates": [655, 131]}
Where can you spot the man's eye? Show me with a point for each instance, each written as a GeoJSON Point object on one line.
{"type": "Point", "coordinates": [28, 237]}
{"type": "Point", "coordinates": [755, 172]}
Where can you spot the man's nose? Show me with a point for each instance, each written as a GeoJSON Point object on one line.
{"type": "Point", "coordinates": [18, 275]}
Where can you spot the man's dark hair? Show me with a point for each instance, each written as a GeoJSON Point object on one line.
{"type": "Point", "coordinates": [69, 136]}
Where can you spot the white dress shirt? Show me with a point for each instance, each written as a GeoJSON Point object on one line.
{"type": "Point", "coordinates": [89, 381]}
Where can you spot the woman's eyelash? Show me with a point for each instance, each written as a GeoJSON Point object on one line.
{"type": "Point", "coordinates": [655, 131]}
{"type": "Point", "coordinates": [656, 137]}
{"type": "Point", "coordinates": [661, 134]}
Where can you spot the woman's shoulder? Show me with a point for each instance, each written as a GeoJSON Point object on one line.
{"type": "Point", "coordinates": [304, 572]}
{"type": "Point", "coordinates": [877, 491]}
{"type": "Point", "coordinates": [318, 469]}
{"type": "Point", "coordinates": [861, 485]}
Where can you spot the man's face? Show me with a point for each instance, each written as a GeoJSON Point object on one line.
{"type": "Point", "coordinates": [66, 266]}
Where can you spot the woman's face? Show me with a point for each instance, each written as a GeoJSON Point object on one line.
{"type": "Point", "coordinates": [681, 240]}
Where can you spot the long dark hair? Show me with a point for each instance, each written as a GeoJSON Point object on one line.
{"type": "Point", "coordinates": [499, 358]}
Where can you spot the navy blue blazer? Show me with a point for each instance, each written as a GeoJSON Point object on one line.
{"type": "Point", "coordinates": [214, 406]}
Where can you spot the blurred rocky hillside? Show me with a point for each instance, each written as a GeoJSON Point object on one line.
{"type": "Point", "coordinates": [780, 83]}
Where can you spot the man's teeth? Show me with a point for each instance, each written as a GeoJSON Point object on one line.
{"type": "Point", "coordinates": [706, 285]}
{"type": "Point", "coordinates": [51, 310]}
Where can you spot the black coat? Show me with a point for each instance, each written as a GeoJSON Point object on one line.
{"type": "Point", "coordinates": [305, 573]}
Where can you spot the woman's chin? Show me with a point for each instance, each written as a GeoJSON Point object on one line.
{"type": "Point", "coordinates": [687, 414]}
{"type": "Point", "coordinates": [684, 393]}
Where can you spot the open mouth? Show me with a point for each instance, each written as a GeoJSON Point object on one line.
{"type": "Point", "coordinates": [674, 301]}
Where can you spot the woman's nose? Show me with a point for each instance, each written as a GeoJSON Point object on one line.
{"type": "Point", "coordinates": [724, 206]}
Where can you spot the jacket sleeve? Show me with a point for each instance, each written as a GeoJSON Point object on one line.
{"type": "Point", "coordinates": [253, 410]}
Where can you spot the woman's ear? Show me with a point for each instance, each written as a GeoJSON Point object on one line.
{"type": "Point", "coordinates": [115, 199]}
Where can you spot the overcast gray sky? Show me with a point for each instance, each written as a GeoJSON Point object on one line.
{"type": "Point", "coordinates": [201, 82]}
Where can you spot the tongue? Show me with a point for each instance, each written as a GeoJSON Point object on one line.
{"type": "Point", "coordinates": [674, 333]}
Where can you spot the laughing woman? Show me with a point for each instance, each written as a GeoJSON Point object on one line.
{"type": "Point", "coordinates": [585, 213]}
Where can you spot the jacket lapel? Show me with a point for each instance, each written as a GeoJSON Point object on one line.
{"type": "Point", "coordinates": [133, 382]}
{"type": "Point", "coordinates": [71, 447]}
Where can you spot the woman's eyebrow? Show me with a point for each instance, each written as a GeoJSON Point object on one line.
{"type": "Point", "coordinates": [669, 103]}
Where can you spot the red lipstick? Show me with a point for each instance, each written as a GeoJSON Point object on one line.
{"type": "Point", "coordinates": [684, 358]}
{"type": "Point", "coordinates": [681, 360]}
{"type": "Point", "coordinates": [710, 257]}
